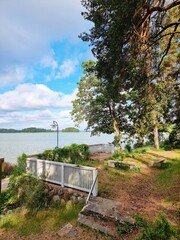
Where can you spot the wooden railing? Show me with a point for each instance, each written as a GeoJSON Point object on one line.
{"type": "Point", "coordinates": [67, 175]}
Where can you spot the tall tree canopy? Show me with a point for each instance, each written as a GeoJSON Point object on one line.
{"type": "Point", "coordinates": [98, 105]}
{"type": "Point", "coordinates": [132, 40]}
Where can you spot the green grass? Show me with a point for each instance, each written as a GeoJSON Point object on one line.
{"type": "Point", "coordinates": [168, 180]}
{"type": "Point", "coordinates": [52, 219]}
{"type": "Point", "coordinates": [160, 229]}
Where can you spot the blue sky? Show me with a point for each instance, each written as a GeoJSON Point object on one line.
{"type": "Point", "coordinates": [40, 61]}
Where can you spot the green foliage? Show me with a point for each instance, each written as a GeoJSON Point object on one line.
{"type": "Point", "coordinates": [161, 229]}
{"type": "Point", "coordinates": [20, 168]}
{"type": "Point", "coordinates": [120, 165]}
{"type": "Point", "coordinates": [50, 219]}
{"type": "Point", "coordinates": [5, 196]}
{"type": "Point", "coordinates": [128, 77]}
{"type": "Point", "coordinates": [131, 154]}
{"type": "Point", "coordinates": [119, 156]}
{"type": "Point", "coordinates": [128, 148]}
{"type": "Point", "coordinates": [28, 191]}
{"type": "Point", "coordinates": [124, 228]}
{"type": "Point", "coordinates": [74, 153]}
{"type": "Point", "coordinates": [25, 130]}
{"type": "Point", "coordinates": [70, 129]}
{"type": "Point", "coordinates": [168, 180]}
{"type": "Point", "coordinates": [99, 103]}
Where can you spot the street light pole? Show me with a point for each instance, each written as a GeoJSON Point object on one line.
{"type": "Point", "coordinates": [55, 124]}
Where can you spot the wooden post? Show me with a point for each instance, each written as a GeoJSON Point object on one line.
{"type": "Point", "coordinates": [1, 170]}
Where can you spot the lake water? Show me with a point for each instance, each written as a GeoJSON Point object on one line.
{"type": "Point", "coordinates": [13, 145]}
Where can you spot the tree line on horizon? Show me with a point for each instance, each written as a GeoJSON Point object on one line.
{"type": "Point", "coordinates": [34, 130]}
{"type": "Point", "coordinates": [133, 85]}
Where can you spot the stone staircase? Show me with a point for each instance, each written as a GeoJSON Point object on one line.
{"type": "Point", "coordinates": [104, 215]}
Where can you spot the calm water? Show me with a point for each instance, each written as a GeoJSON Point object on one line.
{"type": "Point", "coordinates": [13, 145]}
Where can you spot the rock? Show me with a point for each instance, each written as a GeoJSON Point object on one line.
{"type": "Point", "coordinates": [50, 187]}
{"type": "Point", "coordinates": [56, 199]}
{"type": "Point", "coordinates": [81, 200]}
{"type": "Point", "coordinates": [111, 163]}
{"type": "Point", "coordinates": [74, 199]}
{"type": "Point", "coordinates": [63, 202]}
{"type": "Point", "coordinates": [157, 163]}
{"type": "Point", "coordinates": [51, 193]}
{"type": "Point", "coordinates": [72, 234]}
{"type": "Point", "coordinates": [65, 230]}
{"type": "Point", "coordinates": [9, 212]}
{"type": "Point", "coordinates": [75, 194]}
{"type": "Point", "coordinates": [60, 192]}
{"type": "Point", "coordinates": [16, 209]}
{"type": "Point", "coordinates": [66, 196]}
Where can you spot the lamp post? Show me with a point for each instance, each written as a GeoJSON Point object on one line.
{"type": "Point", "coordinates": [55, 125]}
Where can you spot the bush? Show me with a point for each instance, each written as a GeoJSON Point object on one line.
{"type": "Point", "coordinates": [124, 228]}
{"type": "Point", "coordinates": [20, 168]}
{"type": "Point", "coordinates": [28, 191]}
{"type": "Point", "coordinates": [122, 166]}
{"type": "Point", "coordinates": [4, 199]}
{"type": "Point", "coordinates": [161, 229]}
{"type": "Point", "coordinates": [73, 154]}
{"type": "Point", "coordinates": [128, 148]}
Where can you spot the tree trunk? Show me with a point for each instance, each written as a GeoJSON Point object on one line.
{"type": "Point", "coordinates": [156, 137]}
{"type": "Point", "coordinates": [117, 135]}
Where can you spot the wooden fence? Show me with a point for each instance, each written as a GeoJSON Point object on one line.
{"type": "Point", "coordinates": [67, 175]}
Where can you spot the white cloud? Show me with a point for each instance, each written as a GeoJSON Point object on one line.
{"type": "Point", "coordinates": [66, 99]}
{"type": "Point", "coordinates": [49, 62]}
{"type": "Point", "coordinates": [66, 69]}
{"type": "Point", "coordinates": [12, 76]}
{"type": "Point", "coordinates": [34, 96]}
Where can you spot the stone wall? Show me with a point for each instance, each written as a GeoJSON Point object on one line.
{"type": "Point", "coordinates": [61, 195]}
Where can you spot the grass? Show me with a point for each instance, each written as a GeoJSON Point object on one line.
{"type": "Point", "coordinates": [51, 220]}
{"type": "Point", "coordinates": [167, 181]}
{"type": "Point", "coordinates": [164, 182]}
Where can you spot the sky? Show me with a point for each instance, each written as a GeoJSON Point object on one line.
{"type": "Point", "coordinates": [40, 61]}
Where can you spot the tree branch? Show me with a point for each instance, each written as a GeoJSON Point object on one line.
{"type": "Point", "coordinates": [165, 35]}
{"type": "Point", "coordinates": [166, 27]}
{"type": "Point", "coordinates": [168, 47]}
{"type": "Point", "coordinates": [159, 9]}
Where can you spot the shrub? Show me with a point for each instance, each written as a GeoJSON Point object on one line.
{"type": "Point", "coordinates": [118, 155]}
{"type": "Point", "coordinates": [161, 229]}
{"type": "Point", "coordinates": [29, 191]}
{"type": "Point", "coordinates": [128, 148]}
{"type": "Point", "coordinates": [20, 168]}
{"type": "Point", "coordinates": [4, 199]}
{"type": "Point", "coordinates": [124, 228]}
{"type": "Point", "coordinates": [120, 165]}
{"type": "Point", "coordinates": [73, 153]}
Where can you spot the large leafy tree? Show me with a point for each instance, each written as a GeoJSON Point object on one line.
{"type": "Point", "coordinates": [97, 103]}
{"type": "Point", "coordinates": [125, 39]}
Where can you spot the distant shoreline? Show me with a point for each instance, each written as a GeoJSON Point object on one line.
{"type": "Point", "coordinates": [37, 130]}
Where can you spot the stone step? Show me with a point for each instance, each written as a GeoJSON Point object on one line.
{"type": "Point", "coordinates": [107, 210]}
{"type": "Point", "coordinates": [97, 224]}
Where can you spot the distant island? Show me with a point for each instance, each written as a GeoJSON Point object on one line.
{"type": "Point", "coordinates": [36, 130]}
{"type": "Point", "coordinates": [70, 129]}
{"type": "Point", "coordinates": [25, 130]}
